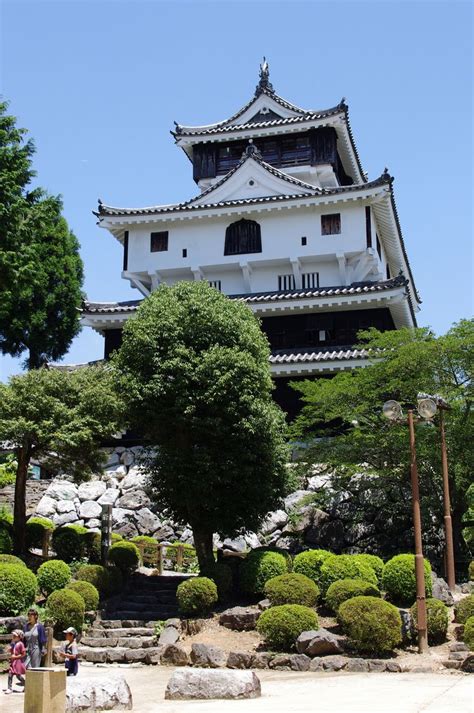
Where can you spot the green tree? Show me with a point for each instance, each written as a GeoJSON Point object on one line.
{"type": "Point", "coordinates": [40, 268]}
{"type": "Point", "coordinates": [347, 408]}
{"type": "Point", "coordinates": [196, 378]}
{"type": "Point", "coordinates": [59, 417]}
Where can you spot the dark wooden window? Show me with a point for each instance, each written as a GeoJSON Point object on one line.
{"type": "Point", "coordinates": [159, 241]}
{"type": "Point", "coordinates": [286, 282]}
{"type": "Point", "coordinates": [331, 224]}
{"type": "Point", "coordinates": [379, 247]}
{"type": "Point", "coordinates": [304, 241]}
{"type": "Point", "coordinates": [216, 284]}
{"type": "Point", "coordinates": [125, 251]}
{"type": "Point", "coordinates": [368, 227]}
{"type": "Point", "coordinates": [185, 252]}
{"type": "Point", "coordinates": [388, 272]}
{"type": "Point", "coordinates": [310, 280]}
{"type": "Point", "coordinates": [242, 237]}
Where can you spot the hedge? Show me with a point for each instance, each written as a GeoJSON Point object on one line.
{"type": "Point", "coordinates": [221, 575]}
{"type": "Point", "coordinates": [18, 587]}
{"type": "Point", "coordinates": [399, 581]}
{"type": "Point", "coordinates": [69, 542]}
{"type": "Point", "coordinates": [344, 589]}
{"type": "Point", "coordinates": [291, 589]}
{"type": "Point", "coordinates": [258, 567]}
{"type": "Point", "coordinates": [345, 567]}
{"type": "Point", "coordinates": [375, 562]}
{"type": "Point", "coordinates": [35, 530]}
{"type": "Point", "coordinates": [437, 620]}
{"type": "Point", "coordinates": [469, 633]}
{"type": "Point", "coordinates": [372, 625]}
{"type": "Point", "coordinates": [125, 556]}
{"type": "Point", "coordinates": [6, 542]}
{"type": "Point", "coordinates": [464, 609]}
{"type": "Point", "coordinates": [52, 575]}
{"type": "Point", "coordinates": [11, 559]}
{"type": "Point", "coordinates": [88, 592]}
{"type": "Point", "coordinates": [196, 595]}
{"type": "Point", "coordinates": [310, 562]}
{"type": "Point", "coordinates": [65, 608]}
{"type": "Point", "coordinates": [281, 625]}
{"type": "Point", "coordinates": [97, 575]}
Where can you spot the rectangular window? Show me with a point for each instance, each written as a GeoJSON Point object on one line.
{"type": "Point", "coordinates": [216, 284]}
{"type": "Point", "coordinates": [125, 250]}
{"type": "Point", "coordinates": [303, 241]}
{"type": "Point", "coordinates": [331, 224]}
{"type": "Point", "coordinates": [159, 241]}
{"type": "Point", "coordinates": [310, 280]}
{"type": "Point", "coordinates": [379, 247]}
{"type": "Point", "coordinates": [286, 282]}
{"type": "Point", "coordinates": [388, 272]}
{"type": "Point", "coordinates": [185, 252]}
{"type": "Point", "coordinates": [368, 227]}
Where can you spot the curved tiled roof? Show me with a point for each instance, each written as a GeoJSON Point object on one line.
{"type": "Point", "coordinates": [300, 357]}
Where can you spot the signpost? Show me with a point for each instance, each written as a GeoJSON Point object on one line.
{"type": "Point", "coordinates": [106, 531]}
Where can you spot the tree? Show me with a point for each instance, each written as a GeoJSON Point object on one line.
{"type": "Point", "coordinates": [342, 424]}
{"type": "Point", "coordinates": [59, 417]}
{"type": "Point", "coordinates": [195, 374]}
{"type": "Point", "coordinates": [40, 268]}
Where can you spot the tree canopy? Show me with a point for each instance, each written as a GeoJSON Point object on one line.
{"type": "Point", "coordinates": [40, 268]}
{"type": "Point", "coordinates": [196, 379]}
{"type": "Point", "coordinates": [342, 424]}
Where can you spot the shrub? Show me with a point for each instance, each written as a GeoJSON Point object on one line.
{"type": "Point", "coordinates": [375, 562]}
{"type": "Point", "coordinates": [97, 575]}
{"type": "Point", "coordinates": [310, 562]}
{"type": "Point", "coordinates": [88, 592]}
{"type": "Point", "coordinates": [92, 546]}
{"type": "Point", "coordinates": [471, 571]}
{"type": "Point", "coordinates": [17, 588]}
{"type": "Point", "coordinates": [464, 609]}
{"type": "Point", "coordinates": [258, 567]}
{"type": "Point", "coordinates": [221, 575]}
{"type": "Point", "coordinates": [399, 580]}
{"type": "Point", "coordinates": [345, 589]}
{"type": "Point", "coordinates": [11, 559]}
{"type": "Point", "coordinates": [469, 633]}
{"type": "Point", "coordinates": [6, 543]}
{"type": "Point", "coordinates": [65, 608]}
{"type": "Point", "coordinates": [281, 625]}
{"type": "Point", "coordinates": [53, 575]}
{"type": "Point", "coordinates": [292, 589]}
{"type": "Point", "coordinates": [35, 529]}
{"type": "Point", "coordinates": [197, 595]}
{"type": "Point", "coordinates": [69, 542]}
{"type": "Point", "coordinates": [372, 625]}
{"type": "Point", "coordinates": [437, 620]}
{"type": "Point", "coordinates": [345, 567]}
{"type": "Point", "coordinates": [6, 517]}
{"type": "Point", "coordinates": [150, 547]}
{"type": "Point", "coordinates": [115, 580]}
{"type": "Point", "coordinates": [124, 555]}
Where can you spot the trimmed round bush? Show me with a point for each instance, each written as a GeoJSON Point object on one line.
{"type": "Point", "coordinates": [345, 589]}
{"type": "Point", "coordinates": [437, 620]}
{"type": "Point", "coordinates": [469, 633]}
{"type": "Point", "coordinates": [345, 567]}
{"type": "Point", "coordinates": [97, 575]}
{"type": "Point", "coordinates": [375, 562]}
{"type": "Point", "coordinates": [6, 542]}
{"type": "Point", "coordinates": [53, 575]}
{"type": "Point", "coordinates": [6, 518]}
{"type": "Point", "coordinates": [471, 571]}
{"type": "Point", "coordinates": [11, 559]}
{"type": "Point", "coordinates": [92, 542]}
{"type": "Point", "coordinates": [310, 562]}
{"type": "Point", "coordinates": [464, 609]}
{"type": "Point", "coordinates": [399, 581]}
{"type": "Point", "coordinates": [372, 625]}
{"type": "Point", "coordinates": [69, 542]}
{"type": "Point", "coordinates": [281, 625]}
{"type": "Point", "coordinates": [65, 608]}
{"type": "Point", "coordinates": [18, 587]}
{"type": "Point", "coordinates": [291, 589]}
{"type": "Point", "coordinates": [125, 556]}
{"type": "Point", "coordinates": [221, 575]}
{"type": "Point", "coordinates": [196, 595]}
{"type": "Point", "coordinates": [35, 530]}
{"type": "Point", "coordinates": [88, 592]}
{"type": "Point", "coordinates": [258, 567]}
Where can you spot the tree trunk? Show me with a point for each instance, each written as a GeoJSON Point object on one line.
{"type": "Point", "coordinates": [204, 549]}
{"type": "Point", "coordinates": [19, 513]}
{"type": "Point", "coordinates": [35, 359]}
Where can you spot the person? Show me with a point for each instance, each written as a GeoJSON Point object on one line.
{"type": "Point", "coordinates": [69, 652]}
{"type": "Point", "coordinates": [35, 640]}
{"type": "Point", "coordinates": [17, 661]}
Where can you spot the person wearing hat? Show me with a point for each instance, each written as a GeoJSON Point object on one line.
{"type": "Point", "coordinates": [69, 651]}
{"type": "Point", "coordinates": [17, 661]}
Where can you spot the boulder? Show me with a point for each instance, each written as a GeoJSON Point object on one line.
{"type": "Point", "coordinates": [318, 482]}
{"type": "Point", "coordinates": [112, 459]}
{"type": "Point", "coordinates": [274, 521]}
{"type": "Point", "coordinates": [240, 659]}
{"type": "Point", "coordinates": [207, 684]}
{"type": "Point", "coordinates": [116, 654]}
{"type": "Point", "coordinates": [262, 659]}
{"type": "Point", "coordinates": [66, 518]}
{"type": "Point", "coordinates": [357, 665]}
{"type": "Point", "coordinates": [46, 506]}
{"type": "Point", "coordinates": [406, 626]}
{"type": "Point", "coordinates": [127, 458]}
{"type": "Point", "coordinates": [9, 623]}
{"type": "Point", "coordinates": [290, 662]}
{"type": "Point", "coordinates": [104, 694]}
{"type": "Point", "coordinates": [236, 544]}
{"type": "Point", "coordinates": [292, 500]}
{"type": "Point", "coordinates": [119, 472]}
{"type": "Point", "coordinates": [441, 590]}
{"type": "Point", "coordinates": [319, 643]}
{"type": "Point", "coordinates": [468, 664]}
{"type": "Point", "coordinates": [239, 618]}
{"type": "Point", "coordinates": [93, 524]}
{"type": "Point", "coordinates": [187, 536]}
{"type": "Point", "coordinates": [63, 506]}
{"type": "Point", "coordinates": [133, 500]}
{"type": "Point", "coordinates": [207, 656]}
{"type": "Point", "coordinates": [109, 497]}
{"type": "Point", "coordinates": [90, 509]}
{"type": "Point", "coordinates": [91, 490]}
{"type": "Point", "coordinates": [334, 663]}
{"type": "Point", "coordinates": [264, 604]}
{"type": "Point", "coordinates": [62, 490]}
{"type": "Point", "coordinates": [169, 635]}
{"type": "Point", "coordinates": [251, 540]}
{"type": "Point", "coordinates": [165, 532]}
{"type": "Point", "coordinates": [134, 479]}
{"type": "Point", "coordinates": [147, 522]}
{"type": "Point", "coordinates": [175, 654]}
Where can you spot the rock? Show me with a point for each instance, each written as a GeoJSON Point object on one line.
{"type": "Point", "coordinates": [468, 664]}
{"type": "Point", "coordinates": [163, 533]}
{"type": "Point", "coordinates": [393, 667]}
{"type": "Point", "coordinates": [280, 662]}
{"type": "Point", "coordinates": [205, 684]}
{"type": "Point", "coordinates": [121, 516]}
{"type": "Point", "coordinates": [46, 506]}
{"type": "Point", "coordinates": [319, 643]}
{"type": "Point", "coordinates": [316, 664]}
{"type": "Point", "coordinates": [251, 540]}
{"type": "Point", "coordinates": [134, 479]}
{"type": "Point", "coordinates": [65, 519]}
{"type": "Point", "coordinates": [176, 655]}
{"type": "Point", "coordinates": [458, 655]}
{"type": "Point", "coordinates": [186, 537]}
{"type": "Point", "coordinates": [107, 693]}
{"type": "Point", "coordinates": [116, 654]}
{"type": "Point", "coordinates": [169, 635]}
{"type": "Point", "coordinates": [274, 521]}
{"type": "Point", "coordinates": [377, 665]}
{"type": "Point", "coordinates": [406, 626]}
{"type": "Point", "coordinates": [441, 590]}
{"type": "Point", "coordinates": [147, 521]}
{"type": "Point", "coordinates": [133, 500]}
{"type": "Point", "coordinates": [458, 646]}
{"type": "Point", "coordinates": [153, 655]}
{"type": "Point", "coordinates": [127, 458]}
{"type": "Point", "coordinates": [109, 497]}
{"type": "Point", "coordinates": [301, 521]}
{"type": "Point", "coordinates": [264, 604]}
{"type": "Point", "coordinates": [284, 543]}
{"type": "Point", "coordinates": [262, 659]}
{"type": "Point", "coordinates": [456, 665]}
{"type": "Point", "coordinates": [299, 662]}
{"type": "Point", "coordinates": [207, 656]}
{"type": "Point", "coordinates": [63, 506]}
{"type": "Point", "coordinates": [239, 659]}
{"type": "Point", "coordinates": [94, 655]}
{"type": "Point", "coordinates": [237, 544]}
{"type": "Point", "coordinates": [357, 665]}
{"type": "Point", "coordinates": [93, 524]}
{"type": "Point", "coordinates": [113, 459]}
{"type": "Point", "coordinates": [239, 618]}
{"type": "Point", "coordinates": [91, 490]}
{"type": "Point", "coordinates": [62, 490]}
{"type": "Point", "coordinates": [119, 472]}
{"type": "Point", "coordinates": [318, 482]}
{"type": "Point", "coordinates": [90, 509]}
{"type": "Point", "coordinates": [13, 622]}
{"type": "Point", "coordinates": [334, 663]}
{"type": "Point", "coordinates": [292, 500]}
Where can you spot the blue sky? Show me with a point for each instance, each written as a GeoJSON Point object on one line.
{"type": "Point", "coordinates": [98, 85]}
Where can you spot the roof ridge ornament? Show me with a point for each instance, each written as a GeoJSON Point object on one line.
{"type": "Point", "coordinates": [264, 84]}
{"type": "Point", "coordinates": [251, 151]}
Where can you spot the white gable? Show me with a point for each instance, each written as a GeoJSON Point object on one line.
{"type": "Point", "coordinates": [266, 104]}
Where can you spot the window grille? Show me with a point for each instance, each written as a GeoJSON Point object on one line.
{"type": "Point", "coordinates": [216, 284]}
{"type": "Point", "coordinates": [310, 280]}
{"type": "Point", "coordinates": [331, 224]}
{"type": "Point", "coordinates": [159, 241]}
{"type": "Point", "coordinates": [243, 236]}
{"type": "Point", "coordinates": [286, 282]}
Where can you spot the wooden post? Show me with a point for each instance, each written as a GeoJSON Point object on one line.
{"type": "Point", "coordinates": [45, 545]}
{"type": "Point", "coordinates": [160, 559]}
{"type": "Point", "coordinates": [49, 647]}
{"type": "Point", "coordinates": [179, 557]}
{"type": "Point", "coordinates": [141, 550]}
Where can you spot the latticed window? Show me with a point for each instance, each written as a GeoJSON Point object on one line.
{"type": "Point", "coordinates": [286, 282]}
{"type": "Point", "coordinates": [310, 280]}
{"type": "Point", "coordinates": [243, 236]}
{"type": "Point", "coordinates": [331, 224]}
{"type": "Point", "coordinates": [216, 284]}
{"type": "Point", "coordinates": [159, 241]}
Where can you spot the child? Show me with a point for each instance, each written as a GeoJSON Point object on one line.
{"type": "Point", "coordinates": [70, 651]}
{"type": "Point", "coordinates": [17, 660]}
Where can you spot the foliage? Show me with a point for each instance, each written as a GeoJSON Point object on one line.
{"type": "Point", "coordinates": [8, 470]}
{"type": "Point", "coordinates": [399, 580]}
{"type": "Point", "coordinates": [221, 575]}
{"type": "Point", "coordinates": [348, 407]}
{"type": "Point", "coordinates": [17, 588]}
{"type": "Point", "coordinates": [6, 543]}
{"type": "Point", "coordinates": [52, 575]}
{"type": "Point", "coordinates": [372, 625]}
{"type": "Point", "coordinates": [217, 453]}
{"type": "Point", "coordinates": [464, 609]}
{"type": "Point", "coordinates": [345, 567]}
{"type": "Point", "coordinates": [125, 556]}
{"type": "Point", "coordinates": [291, 589]}
{"type": "Point", "coordinates": [35, 529]}
{"type": "Point", "coordinates": [375, 562]}
{"type": "Point", "coordinates": [68, 542]}
{"type": "Point", "coordinates": [158, 628]}
{"type": "Point", "coordinates": [11, 559]}
{"type": "Point", "coordinates": [258, 567]}
{"type": "Point", "coordinates": [471, 571]}
{"type": "Point", "coordinates": [92, 546]}
{"type": "Point", "coordinates": [437, 616]}
{"type": "Point", "coordinates": [150, 547]}
{"type": "Point", "coordinates": [344, 589]}
{"type": "Point", "coordinates": [310, 562]}
{"type": "Point", "coordinates": [196, 595]}
{"type": "Point", "coordinates": [190, 563]}
{"type": "Point", "coordinates": [469, 633]}
{"type": "Point", "coordinates": [468, 520]}
{"type": "Point", "coordinates": [65, 608]}
{"type": "Point", "coordinates": [60, 417]}
{"type": "Point", "coordinates": [281, 625]}
{"type": "Point", "coordinates": [97, 575]}
{"type": "Point", "coordinates": [6, 517]}
{"type": "Point", "coordinates": [88, 592]}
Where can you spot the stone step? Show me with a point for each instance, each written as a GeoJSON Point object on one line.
{"type": "Point", "coordinates": [130, 642]}
{"type": "Point", "coordinates": [168, 598]}
{"type": "Point", "coordinates": [152, 615]}
{"type": "Point", "coordinates": [123, 624]}
{"type": "Point", "coordinates": [95, 632]}
{"type": "Point", "coordinates": [120, 654]}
